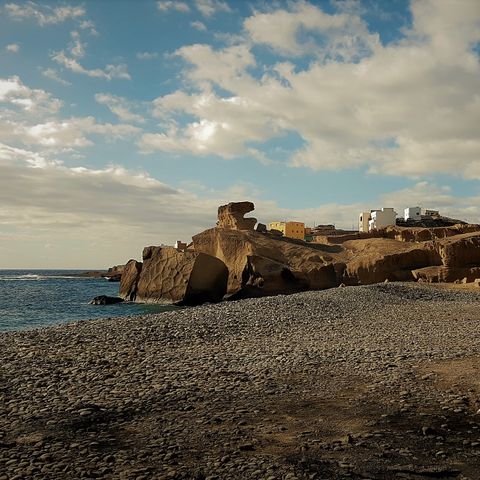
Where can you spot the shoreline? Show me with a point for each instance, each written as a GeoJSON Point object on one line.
{"type": "Point", "coordinates": [363, 381]}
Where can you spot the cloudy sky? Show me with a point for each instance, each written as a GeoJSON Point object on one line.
{"type": "Point", "coordinates": [126, 123]}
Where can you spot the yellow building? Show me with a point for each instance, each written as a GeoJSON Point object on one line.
{"type": "Point", "coordinates": [289, 229]}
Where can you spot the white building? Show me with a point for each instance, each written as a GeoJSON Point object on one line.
{"type": "Point", "coordinates": [382, 218]}
{"type": "Point", "coordinates": [363, 220]}
{"type": "Point", "coordinates": [413, 213]}
{"type": "Point", "coordinates": [376, 219]}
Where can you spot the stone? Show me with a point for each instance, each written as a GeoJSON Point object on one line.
{"type": "Point", "coordinates": [114, 274]}
{"type": "Point", "coordinates": [261, 265]}
{"type": "Point", "coordinates": [231, 216]}
{"type": "Point", "coordinates": [190, 278]}
{"type": "Point", "coordinates": [105, 300]}
{"type": "Point", "coordinates": [261, 227]}
{"type": "Point", "coordinates": [129, 280]}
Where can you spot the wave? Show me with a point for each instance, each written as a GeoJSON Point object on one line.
{"type": "Point", "coordinates": [35, 277]}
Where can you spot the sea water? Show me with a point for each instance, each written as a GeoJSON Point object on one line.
{"type": "Point", "coordinates": [37, 298]}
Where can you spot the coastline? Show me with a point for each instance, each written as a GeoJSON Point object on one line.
{"type": "Point", "coordinates": [354, 380]}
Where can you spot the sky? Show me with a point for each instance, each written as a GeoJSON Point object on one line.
{"type": "Point", "coordinates": [127, 123]}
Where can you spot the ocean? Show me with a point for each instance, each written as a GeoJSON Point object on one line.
{"type": "Point", "coordinates": [37, 298]}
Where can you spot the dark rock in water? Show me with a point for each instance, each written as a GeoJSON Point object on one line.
{"type": "Point", "coordinates": [105, 300]}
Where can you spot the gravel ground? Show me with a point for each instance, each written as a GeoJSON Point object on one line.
{"type": "Point", "coordinates": [370, 382]}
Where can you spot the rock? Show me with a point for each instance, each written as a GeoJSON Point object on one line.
{"type": "Point", "coordinates": [191, 278]}
{"type": "Point", "coordinates": [232, 216]}
{"type": "Point", "coordinates": [262, 265]}
{"type": "Point", "coordinates": [375, 260]}
{"type": "Point", "coordinates": [114, 274]}
{"type": "Point", "coordinates": [261, 227]}
{"type": "Point", "coordinates": [129, 280]}
{"type": "Point", "coordinates": [105, 300]}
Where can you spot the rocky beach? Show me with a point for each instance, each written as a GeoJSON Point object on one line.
{"type": "Point", "coordinates": [366, 382]}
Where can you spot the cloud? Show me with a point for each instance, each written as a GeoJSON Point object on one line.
{"type": "Point", "coordinates": [89, 26]}
{"type": "Point", "coordinates": [12, 48]}
{"type": "Point", "coordinates": [208, 8]}
{"type": "Point", "coordinates": [166, 5]}
{"type": "Point", "coordinates": [15, 93]}
{"type": "Point", "coordinates": [119, 106]}
{"type": "Point", "coordinates": [71, 133]}
{"type": "Point", "coordinates": [146, 55]}
{"type": "Point", "coordinates": [306, 29]}
{"type": "Point", "coordinates": [76, 48]}
{"type": "Point", "coordinates": [52, 74]}
{"type": "Point", "coordinates": [108, 73]}
{"type": "Point", "coordinates": [152, 212]}
{"type": "Point", "coordinates": [43, 14]}
{"type": "Point", "coordinates": [409, 108]}
{"type": "Point", "coordinates": [197, 25]}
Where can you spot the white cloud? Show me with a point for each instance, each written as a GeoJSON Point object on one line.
{"type": "Point", "coordinates": [43, 14]}
{"type": "Point", "coordinates": [88, 25]}
{"type": "Point", "coordinates": [12, 48]}
{"type": "Point", "coordinates": [197, 25]}
{"type": "Point", "coordinates": [409, 108]}
{"type": "Point", "coordinates": [209, 8]}
{"type": "Point", "coordinates": [52, 74]}
{"type": "Point", "coordinates": [119, 106]}
{"type": "Point", "coordinates": [108, 73]}
{"type": "Point", "coordinates": [14, 92]}
{"type": "Point", "coordinates": [339, 36]}
{"type": "Point", "coordinates": [147, 55]}
{"type": "Point", "coordinates": [74, 132]}
{"type": "Point", "coordinates": [76, 48]}
{"type": "Point", "coordinates": [152, 212]}
{"type": "Point", "coordinates": [166, 5]}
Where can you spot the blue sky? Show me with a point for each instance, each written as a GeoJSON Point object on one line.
{"type": "Point", "coordinates": [127, 123]}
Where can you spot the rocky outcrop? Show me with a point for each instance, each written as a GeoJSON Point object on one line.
{"type": "Point", "coordinates": [167, 275]}
{"type": "Point", "coordinates": [379, 259]}
{"type": "Point", "coordinates": [129, 280]}
{"type": "Point", "coordinates": [236, 260]}
{"type": "Point", "coordinates": [460, 250]}
{"type": "Point", "coordinates": [114, 273]}
{"type": "Point", "coordinates": [231, 216]}
{"type": "Point", "coordinates": [261, 265]}
{"type": "Point", "coordinates": [459, 257]}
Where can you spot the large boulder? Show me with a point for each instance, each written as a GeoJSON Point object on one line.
{"type": "Point", "coordinates": [167, 275]}
{"type": "Point", "coordinates": [129, 280]}
{"type": "Point", "coordinates": [232, 216]}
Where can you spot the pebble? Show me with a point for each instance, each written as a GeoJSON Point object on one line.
{"type": "Point", "coordinates": [245, 389]}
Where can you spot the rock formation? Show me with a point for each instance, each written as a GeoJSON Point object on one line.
{"type": "Point", "coordinates": [129, 280]}
{"type": "Point", "coordinates": [235, 260]}
{"type": "Point", "coordinates": [259, 264]}
{"type": "Point", "coordinates": [114, 273]}
{"type": "Point", "coordinates": [167, 275]}
{"type": "Point", "coordinates": [231, 216]}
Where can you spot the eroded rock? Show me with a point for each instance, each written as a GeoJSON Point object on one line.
{"type": "Point", "coordinates": [232, 216]}
{"type": "Point", "coordinates": [191, 278]}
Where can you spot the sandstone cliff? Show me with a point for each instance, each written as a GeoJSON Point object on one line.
{"type": "Point", "coordinates": [235, 260]}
